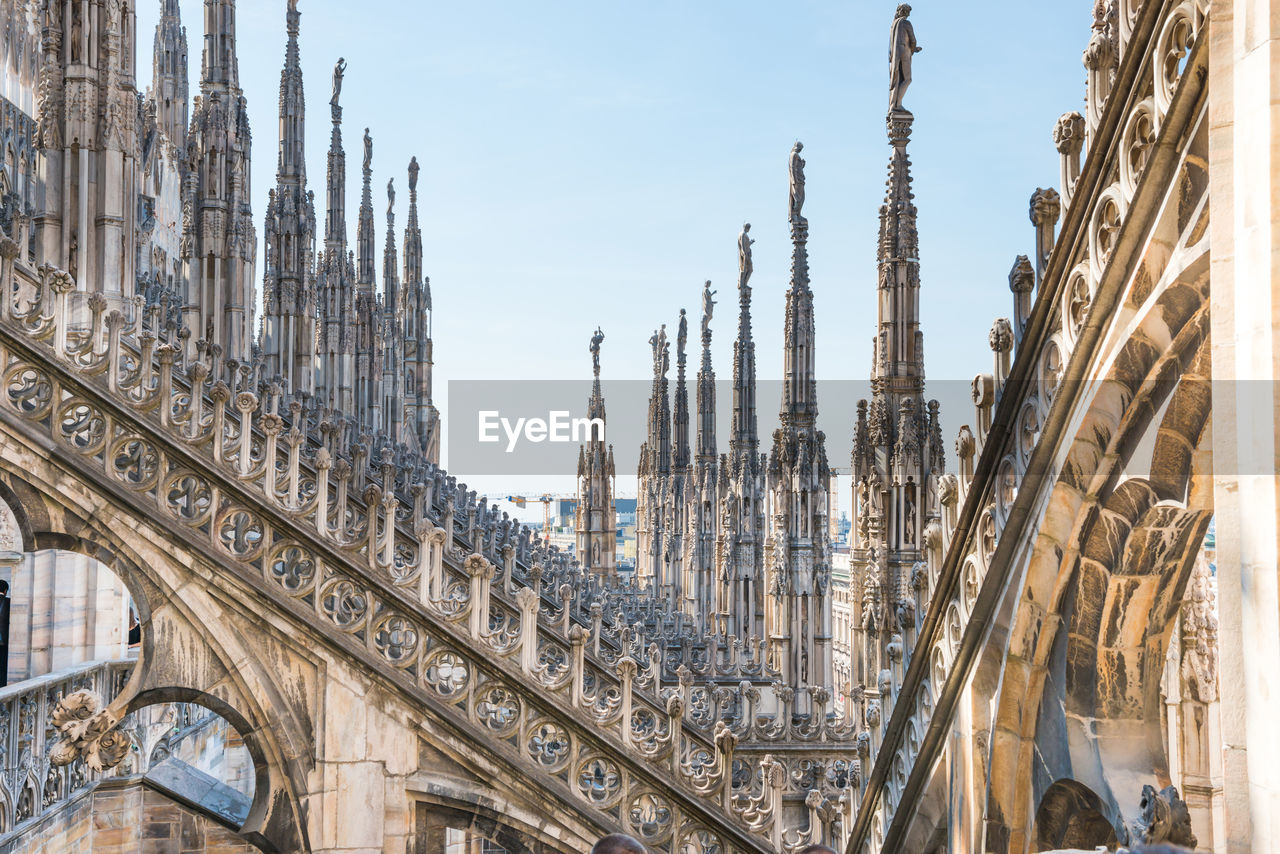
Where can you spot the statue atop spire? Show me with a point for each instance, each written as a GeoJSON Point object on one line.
{"type": "Point", "coordinates": [902, 48]}
{"type": "Point", "coordinates": [339, 70]}
{"type": "Point", "coordinates": [708, 308]}
{"type": "Point", "coordinates": [413, 175]}
{"type": "Point", "coordinates": [795, 164]}
{"type": "Point", "coordinates": [368, 152]}
{"type": "Point", "coordinates": [594, 347]}
{"type": "Point", "coordinates": [744, 255]}
{"type": "Point", "coordinates": [661, 351]}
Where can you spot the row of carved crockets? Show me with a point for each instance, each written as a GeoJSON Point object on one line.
{"type": "Point", "coordinates": [364, 596]}
{"type": "Point", "coordinates": [1175, 36]}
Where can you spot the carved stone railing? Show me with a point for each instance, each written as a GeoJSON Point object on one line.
{"type": "Point", "coordinates": [366, 551]}
{"type": "Point", "coordinates": [32, 784]}
{"type": "Point", "coordinates": [1158, 64]}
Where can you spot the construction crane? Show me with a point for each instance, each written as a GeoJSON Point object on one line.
{"type": "Point", "coordinates": [547, 499]}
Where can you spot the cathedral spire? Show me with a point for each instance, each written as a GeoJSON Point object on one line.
{"type": "Point", "coordinates": [680, 417]}
{"type": "Point", "coordinates": [799, 388]}
{"type": "Point", "coordinates": [744, 440]}
{"type": "Point", "coordinates": [369, 329]}
{"type": "Point", "coordinates": [393, 328]}
{"type": "Point", "coordinates": [169, 85]}
{"type": "Point", "coordinates": [702, 513]}
{"type": "Point", "coordinates": [335, 227]}
{"type": "Point", "coordinates": [364, 231]}
{"type": "Point", "coordinates": [219, 65]}
{"type": "Point", "coordinates": [339, 315]}
{"type": "Point", "coordinates": [897, 450]}
{"type": "Point", "coordinates": [390, 278]}
{"type": "Point", "coordinates": [899, 342]}
{"type": "Point", "coordinates": [412, 234]}
{"type": "Point", "coordinates": [420, 413]}
{"type": "Point", "coordinates": [654, 469]}
{"type": "Point", "coordinates": [706, 395]}
{"type": "Point", "coordinates": [798, 551]}
{"type": "Point", "coordinates": [595, 516]}
{"type": "Point", "coordinates": [289, 299]}
{"type": "Point", "coordinates": [595, 405]}
{"type": "Point", "coordinates": [291, 165]}
{"type": "Point", "coordinates": [219, 241]}
{"type": "Point", "coordinates": [740, 553]}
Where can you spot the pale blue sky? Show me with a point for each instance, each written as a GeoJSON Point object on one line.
{"type": "Point", "coordinates": [591, 163]}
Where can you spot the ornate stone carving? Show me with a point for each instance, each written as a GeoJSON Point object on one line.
{"type": "Point", "coordinates": [1001, 335]}
{"type": "Point", "coordinates": [1200, 634]}
{"type": "Point", "coordinates": [1162, 817]}
{"type": "Point", "coordinates": [86, 730]}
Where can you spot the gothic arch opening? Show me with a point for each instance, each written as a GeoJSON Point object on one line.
{"type": "Point", "coordinates": [194, 755]}
{"type": "Point", "coordinates": [200, 751]}
{"type": "Point", "coordinates": [64, 609]}
{"type": "Point", "coordinates": [1070, 815]}
{"type": "Point", "coordinates": [441, 829]}
{"type": "Point", "coordinates": [65, 603]}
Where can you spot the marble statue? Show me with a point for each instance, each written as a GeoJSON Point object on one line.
{"type": "Point", "coordinates": [77, 33]}
{"type": "Point", "coordinates": [744, 255]}
{"type": "Point", "coordinates": [902, 47]}
{"type": "Point", "coordinates": [594, 347]}
{"type": "Point", "coordinates": [391, 195]}
{"type": "Point", "coordinates": [708, 307]}
{"type": "Point", "coordinates": [796, 173]}
{"type": "Point", "coordinates": [338, 70]}
{"type": "Point", "coordinates": [413, 175]}
{"type": "Point", "coordinates": [368, 150]}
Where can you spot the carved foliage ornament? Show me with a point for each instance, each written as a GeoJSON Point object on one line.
{"type": "Point", "coordinates": [86, 730]}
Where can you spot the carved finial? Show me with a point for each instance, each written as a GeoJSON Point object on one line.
{"type": "Point", "coordinates": [1068, 133]}
{"type": "Point", "coordinates": [1044, 208]}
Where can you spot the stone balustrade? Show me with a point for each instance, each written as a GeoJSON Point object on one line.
{"type": "Point", "coordinates": [33, 784]}
{"type": "Point", "coordinates": [402, 562]}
